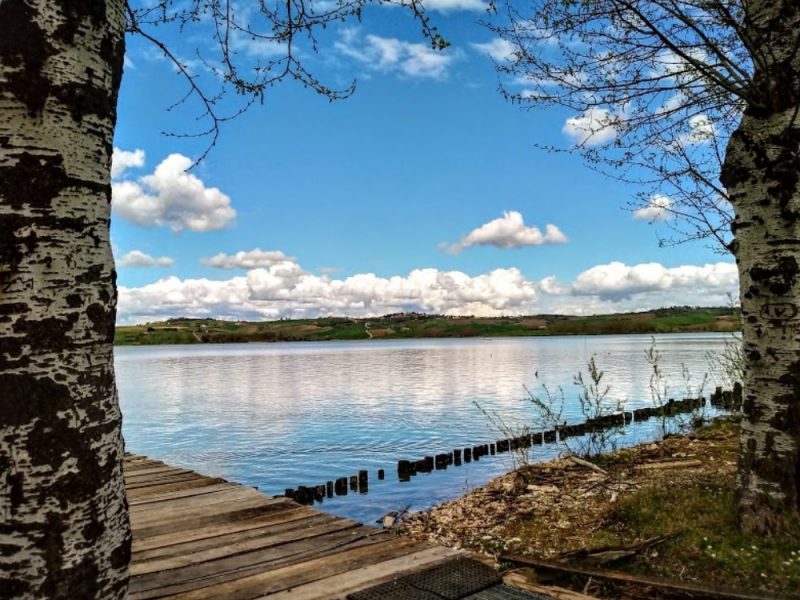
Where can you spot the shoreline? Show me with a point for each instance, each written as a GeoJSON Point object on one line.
{"type": "Point", "coordinates": [423, 326]}
{"type": "Point", "coordinates": [679, 489]}
{"type": "Point", "coordinates": [432, 338]}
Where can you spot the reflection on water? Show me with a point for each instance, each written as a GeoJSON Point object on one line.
{"type": "Point", "coordinates": [288, 414]}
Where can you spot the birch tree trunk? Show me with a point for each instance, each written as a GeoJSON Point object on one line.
{"type": "Point", "coordinates": [762, 175]}
{"type": "Point", "coordinates": [64, 529]}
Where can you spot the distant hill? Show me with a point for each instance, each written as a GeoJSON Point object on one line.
{"type": "Point", "coordinates": [417, 325]}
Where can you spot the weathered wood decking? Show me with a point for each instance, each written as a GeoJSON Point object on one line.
{"type": "Point", "coordinates": [202, 537]}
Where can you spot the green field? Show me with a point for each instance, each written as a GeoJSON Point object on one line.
{"type": "Point", "coordinates": [416, 325]}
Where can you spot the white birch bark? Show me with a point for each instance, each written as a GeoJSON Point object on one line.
{"type": "Point", "coordinates": [64, 529]}
{"type": "Point", "coordinates": [762, 175]}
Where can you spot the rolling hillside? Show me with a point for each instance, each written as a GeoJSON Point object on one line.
{"type": "Point", "coordinates": [417, 325]}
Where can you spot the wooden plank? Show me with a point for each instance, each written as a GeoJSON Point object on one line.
{"type": "Point", "coordinates": [294, 575]}
{"type": "Point", "coordinates": [178, 515]}
{"type": "Point", "coordinates": [211, 531]}
{"type": "Point", "coordinates": [133, 483]}
{"type": "Point", "coordinates": [152, 470]}
{"type": "Point", "coordinates": [247, 545]}
{"type": "Point", "coordinates": [172, 505]}
{"type": "Point", "coordinates": [299, 520]}
{"type": "Point", "coordinates": [339, 586]}
{"type": "Point", "coordinates": [137, 459]}
{"type": "Point", "coordinates": [208, 489]}
{"type": "Point", "coordinates": [289, 550]}
{"type": "Point", "coordinates": [160, 476]}
{"type": "Point", "coordinates": [134, 456]}
{"type": "Point", "coordinates": [214, 576]}
{"type": "Point", "coordinates": [171, 487]}
{"type": "Point", "coordinates": [134, 466]}
{"type": "Point", "coordinates": [518, 578]}
{"type": "Point", "coordinates": [204, 520]}
{"type": "Point", "coordinates": [156, 471]}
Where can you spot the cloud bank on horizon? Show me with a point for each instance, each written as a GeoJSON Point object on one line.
{"type": "Point", "coordinates": [285, 290]}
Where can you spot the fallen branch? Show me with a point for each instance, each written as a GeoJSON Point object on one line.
{"type": "Point", "coordinates": [587, 464]}
{"type": "Point", "coordinates": [602, 555]}
{"type": "Point", "coordinates": [525, 579]}
{"type": "Point", "coordinates": [675, 588]}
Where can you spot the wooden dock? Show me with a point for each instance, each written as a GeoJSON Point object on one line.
{"type": "Point", "coordinates": [202, 537]}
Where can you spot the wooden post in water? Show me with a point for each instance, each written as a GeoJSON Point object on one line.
{"type": "Point", "coordinates": [341, 486]}
{"type": "Point", "coordinates": [441, 461]}
{"type": "Point", "coordinates": [304, 495]}
{"type": "Point", "coordinates": [404, 470]}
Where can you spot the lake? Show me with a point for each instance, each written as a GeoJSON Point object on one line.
{"type": "Point", "coordinates": [286, 414]}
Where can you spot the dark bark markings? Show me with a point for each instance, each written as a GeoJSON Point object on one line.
{"type": "Point", "coordinates": [62, 497]}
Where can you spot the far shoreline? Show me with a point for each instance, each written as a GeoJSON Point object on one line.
{"type": "Point", "coordinates": [405, 326]}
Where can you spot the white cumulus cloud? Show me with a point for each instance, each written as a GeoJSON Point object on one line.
{"type": "Point", "coordinates": [617, 280]}
{"type": "Point", "coordinates": [453, 5]}
{"type": "Point", "coordinates": [594, 127]}
{"type": "Point", "coordinates": [391, 55]}
{"type": "Point", "coordinates": [122, 160]}
{"type": "Point", "coordinates": [658, 208]}
{"type": "Point", "coordinates": [286, 290]}
{"type": "Point", "coordinates": [170, 196]}
{"type": "Point", "coordinates": [251, 259]}
{"type": "Point", "coordinates": [508, 231]}
{"type": "Point", "coordinates": [137, 258]}
{"type": "Point", "coordinates": [498, 49]}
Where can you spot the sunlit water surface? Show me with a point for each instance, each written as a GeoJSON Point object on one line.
{"type": "Point", "coordinates": [287, 414]}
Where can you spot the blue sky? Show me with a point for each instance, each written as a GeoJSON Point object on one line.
{"type": "Point", "coordinates": [420, 192]}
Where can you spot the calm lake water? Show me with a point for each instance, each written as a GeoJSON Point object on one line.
{"type": "Point", "coordinates": [287, 414]}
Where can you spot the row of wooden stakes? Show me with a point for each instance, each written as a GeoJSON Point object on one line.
{"type": "Point", "coordinates": [406, 469]}
{"type": "Point", "coordinates": [339, 487]}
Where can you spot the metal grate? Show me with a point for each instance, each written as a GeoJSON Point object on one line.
{"type": "Point", "coordinates": [394, 590]}
{"type": "Point", "coordinates": [452, 580]}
